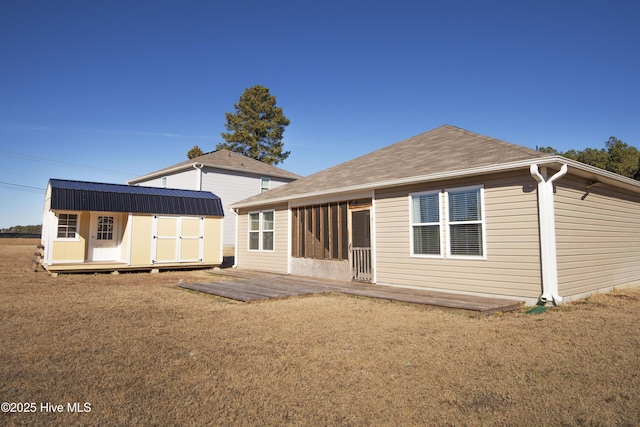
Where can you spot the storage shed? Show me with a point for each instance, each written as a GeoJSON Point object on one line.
{"type": "Point", "coordinates": [91, 226]}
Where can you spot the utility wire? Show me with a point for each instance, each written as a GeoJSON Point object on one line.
{"type": "Point", "coordinates": [57, 162]}
{"type": "Point", "coordinates": [19, 187]}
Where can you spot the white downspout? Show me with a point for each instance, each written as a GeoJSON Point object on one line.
{"type": "Point", "coordinates": [546, 220]}
{"type": "Point", "coordinates": [235, 249]}
{"type": "Point", "coordinates": [198, 168]}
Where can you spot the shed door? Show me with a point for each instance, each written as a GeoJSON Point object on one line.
{"type": "Point", "coordinates": [103, 240]}
{"type": "Point", "coordinates": [178, 239]}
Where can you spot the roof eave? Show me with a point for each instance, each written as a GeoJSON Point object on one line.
{"type": "Point", "coordinates": [164, 172]}
{"type": "Point", "coordinates": [604, 176]}
{"type": "Point", "coordinates": [160, 173]}
{"type": "Point", "coordinates": [267, 174]}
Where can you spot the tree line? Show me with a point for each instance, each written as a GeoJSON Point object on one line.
{"type": "Point", "coordinates": [616, 156]}
{"type": "Point", "coordinates": [23, 229]}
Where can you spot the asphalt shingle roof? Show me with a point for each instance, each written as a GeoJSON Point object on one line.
{"type": "Point", "coordinates": [443, 149]}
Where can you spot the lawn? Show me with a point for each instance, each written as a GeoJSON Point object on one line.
{"type": "Point", "coordinates": [141, 351]}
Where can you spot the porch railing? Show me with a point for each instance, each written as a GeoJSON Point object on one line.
{"type": "Point", "coordinates": [361, 268]}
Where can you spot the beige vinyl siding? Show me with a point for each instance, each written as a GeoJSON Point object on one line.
{"type": "Point", "coordinates": [597, 237]}
{"type": "Point", "coordinates": [276, 260]}
{"type": "Point", "coordinates": [512, 264]}
{"type": "Point", "coordinates": [141, 237]}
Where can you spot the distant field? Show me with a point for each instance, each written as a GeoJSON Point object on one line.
{"type": "Point", "coordinates": [141, 351]}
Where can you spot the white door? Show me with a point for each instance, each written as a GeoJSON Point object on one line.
{"type": "Point", "coordinates": [177, 239]}
{"type": "Point", "coordinates": [103, 239]}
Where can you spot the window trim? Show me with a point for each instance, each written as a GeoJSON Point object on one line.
{"type": "Point", "coordinates": [482, 222]}
{"type": "Point", "coordinates": [76, 238]}
{"type": "Point", "coordinates": [261, 230]}
{"type": "Point", "coordinates": [440, 224]}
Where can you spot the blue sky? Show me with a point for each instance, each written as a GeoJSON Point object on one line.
{"type": "Point", "coordinates": [110, 90]}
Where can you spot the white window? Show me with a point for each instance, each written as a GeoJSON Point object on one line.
{"type": "Point", "coordinates": [465, 233]}
{"type": "Point", "coordinates": [425, 224]}
{"type": "Point", "coordinates": [261, 230]}
{"type": "Point", "coordinates": [265, 184]}
{"type": "Point", "coordinates": [462, 229]}
{"type": "Point", "coordinates": [67, 226]}
{"type": "Point", "coordinates": [164, 182]}
{"type": "Point", "coordinates": [105, 228]}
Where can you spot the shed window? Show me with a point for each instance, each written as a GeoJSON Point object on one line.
{"type": "Point", "coordinates": [425, 224]}
{"type": "Point", "coordinates": [466, 226]}
{"type": "Point", "coordinates": [105, 228]}
{"type": "Point", "coordinates": [261, 231]}
{"type": "Point", "coordinates": [67, 226]}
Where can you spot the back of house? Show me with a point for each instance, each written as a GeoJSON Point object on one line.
{"type": "Point", "coordinates": [454, 211]}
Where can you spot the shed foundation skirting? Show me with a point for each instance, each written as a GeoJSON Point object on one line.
{"type": "Point", "coordinates": [109, 267]}
{"type": "Point", "coordinates": [321, 268]}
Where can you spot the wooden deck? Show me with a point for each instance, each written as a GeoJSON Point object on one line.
{"type": "Point", "coordinates": [249, 286]}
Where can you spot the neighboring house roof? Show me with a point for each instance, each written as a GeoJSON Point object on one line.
{"type": "Point", "coordinates": [95, 196]}
{"type": "Point", "coordinates": [444, 152]}
{"type": "Point", "coordinates": [223, 159]}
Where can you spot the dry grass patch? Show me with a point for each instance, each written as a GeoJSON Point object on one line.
{"type": "Point", "coordinates": [143, 351]}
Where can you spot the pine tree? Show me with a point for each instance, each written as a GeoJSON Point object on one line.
{"type": "Point", "coordinates": [256, 127]}
{"type": "Point", "coordinates": [194, 152]}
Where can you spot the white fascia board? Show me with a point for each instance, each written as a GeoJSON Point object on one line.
{"type": "Point", "coordinates": [584, 170]}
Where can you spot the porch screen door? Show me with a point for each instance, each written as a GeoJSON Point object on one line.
{"type": "Point", "coordinates": [361, 266]}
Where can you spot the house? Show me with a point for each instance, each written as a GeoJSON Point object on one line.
{"type": "Point", "coordinates": [230, 175]}
{"type": "Point", "coordinates": [90, 226]}
{"type": "Point", "coordinates": [455, 211]}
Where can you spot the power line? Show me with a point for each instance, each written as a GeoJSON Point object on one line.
{"type": "Point", "coordinates": [19, 187]}
{"type": "Point", "coordinates": [57, 162]}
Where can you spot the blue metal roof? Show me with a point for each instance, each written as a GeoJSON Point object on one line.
{"type": "Point", "coordinates": [96, 196]}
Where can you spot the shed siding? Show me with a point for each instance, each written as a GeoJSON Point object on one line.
{"type": "Point", "coordinates": [213, 244]}
{"type": "Point", "coordinates": [512, 264]}
{"type": "Point", "coordinates": [597, 237]}
{"type": "Point", "coordinates": [141, 237]}
{"type": "Point", "coordinates": [274, 261]}
{"type": "Point", "coordinates": [72, 250]}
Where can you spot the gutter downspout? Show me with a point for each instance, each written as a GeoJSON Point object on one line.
{"type": "Point", "coordinates": [198, 168]}
{"type": "Point", "coordinates": [235, 249]}
{"type": "Point", "coordinates": [546, 221]}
